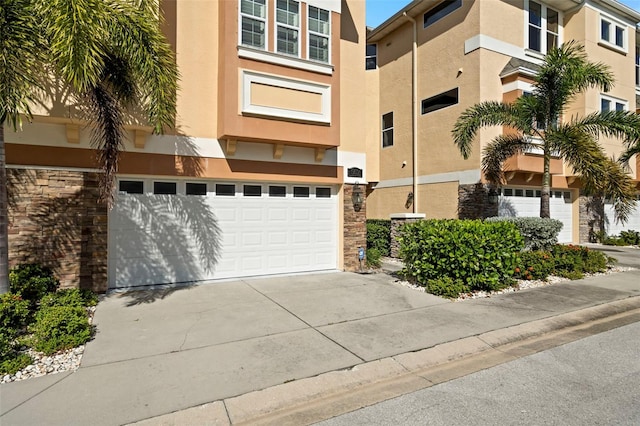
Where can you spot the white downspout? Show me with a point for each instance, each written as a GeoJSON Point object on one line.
{"type": "Point", "coordinates": [414, 109]}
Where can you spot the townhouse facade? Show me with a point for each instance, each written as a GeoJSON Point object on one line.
{"type": "Point", "coordinates": [433, 59]}
{"type": "Point", "coordinates": [263, 174]}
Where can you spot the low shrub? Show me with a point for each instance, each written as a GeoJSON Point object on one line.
{"type": "Point", "coordinates": [538, 233]}
{"type": "Point", "coordinates": [373, 258]}
{"type": "Point", "coordinates": [446, 287]}
{"type": "Point", "coordinates": [573, 261]}
{"type": "Point", "coordinates": [69, 297]}
{"type": "Point", "coordinates": [481, 255]}
{"type": "Point", "coordinates": [14, 314]}
{"type": "Point", "coordinates": [534, 265]}
{"type": "Point", "coordinates": [60, 327]}
{"type": "Point", "coordinates": [630, 238]}
{"type": "Point", "coordinates": [379, 235]}
{"type": "Point", "coordinates": [11, 360]}
{"type": "Point", "coordinates": [31, 282]}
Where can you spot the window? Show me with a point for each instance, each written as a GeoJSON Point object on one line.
{"type": "Point", "coordinates": [253, 23]}
{"type": "Point", "coordinates": [319, 34]}
{"type": "Point", "coordinates": [543, 27]}
{"type": "Point", "coordinates": [287, 27]}
{"type": "Point", "coordinates": [164, 188]}
{"type": "Point", "coordinates": [196, 188]}
{"type": "Point", "coordinates": [440, 101]}
{"type": "Point", "coordinates": [323, 192]}
{"type": "Point", "coordinates": [440, 11]}
{"type": "Point", "coordinates": [612, 33]}
{"type": "Point", "coordinates": [301, 192]}
{"type": "Point", "coordinates": [387, 129]}
{"type": "Point", "coordinates": [277, 191]}
{"type": "Point", "coordinates": [611, 104]}
{"type": "Point", "coordinates": [371, 60]}
{"type": "Point", "coordinates": [252, 190]}
{"type": "Point", "coordinates": [131, 186]}
{"type": "Point", "coordinates": [225, 190]}
{"type": "Point", "coordinates": [638, 67]}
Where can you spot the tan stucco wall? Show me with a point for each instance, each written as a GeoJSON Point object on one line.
{"type": "Point", "coordinates": [439, 201]}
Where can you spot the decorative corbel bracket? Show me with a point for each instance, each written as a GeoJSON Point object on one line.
{"type": "Point", "coordinates": [571, 179]}
{"type": "Point", "coordinates": [530, 177]}
{"type": "Point", "coordinates": [510, 175]}
{"type": "Point", "coordinates": [278, 149]}
{"type": "Point", "coordinates": [73, 133]}
{"type": "Point", "coordinates": [320, 154]}
{"type": "Point", "coordinates": [140, 138]}
{"type": "Point", "coordinates": [230, 149]}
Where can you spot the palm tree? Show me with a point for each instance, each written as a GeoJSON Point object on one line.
{"type": "Point", "coordinates": [538, 122]}
{"type": "Point", "coordinates": [111, 54]}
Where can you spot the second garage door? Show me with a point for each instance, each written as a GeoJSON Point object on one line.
{"type": "Point", "coordinates": [163, 231]}
{"type": "Point", "coordinates": [525, 202]}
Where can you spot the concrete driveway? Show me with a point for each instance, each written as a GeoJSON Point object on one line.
{"type": "Point", "coordinates": [626, 256]}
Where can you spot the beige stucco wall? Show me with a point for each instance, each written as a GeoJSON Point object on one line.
{"type": "Point", "coordinates": [440, 201]}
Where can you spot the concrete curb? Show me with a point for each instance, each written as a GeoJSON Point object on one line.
{"type": "Point", "coordinates": [330, 394]}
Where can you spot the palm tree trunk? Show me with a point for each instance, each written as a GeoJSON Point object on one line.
{"type": "Point", "coordinates": [4, 220]}
{"type": "Point", "coordinates": [546, 184]}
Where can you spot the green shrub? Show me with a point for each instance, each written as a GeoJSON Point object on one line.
{"type": "Point", "coordinates": [14, 314]}
{"type": "Point", "coordinates": [69, 297]}
{"type": "Point", "coordinates": [573, 261]}
{"type": "Point", "coordinates": [482, 255]}
{"type": "Point", "coordinates": [631, 238]}
{"type": "Point", "coordinates": [379, 235]}
{"type": "Point", "coordinates": [446, 287]}
{"type": "Point", "coordinates": [31, 282]}
{"type": "Point", "coordinates": [373, 258]}
{"type": "Point", "coordinates": [534, 265]}
{"type": "Point", "coordinates": [60, 327]}
{"type": "Point", "coordinates": [14, 364]}
{"type": "Point", "coordinates": [538, 233]}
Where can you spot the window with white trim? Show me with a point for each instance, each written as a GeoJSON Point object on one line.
{"type": "Point", "coordinates": [371, 58]}
{"type": "Point", "coordinates": [638, 67]}
{"type": "Point", "coordinates": [613, 33]}
{"type": "Point", "coordinates": [253, 22]}
{"type": "Point", "coordinates": [543, 27]}
{"type": "Point", "coordinates": [288, 27]}
{"type": "Point", "coordinates": [387, 129]}
{"type": "Point", "coordinates": [319, 34]}
{"type": "Point", "coordinates": [608, 103]}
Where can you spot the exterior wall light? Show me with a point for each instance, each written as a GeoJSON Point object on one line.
{"type": "Point", "coordinates": [356, 197]}
{"type": "Point", "coordinates": [493, 196]}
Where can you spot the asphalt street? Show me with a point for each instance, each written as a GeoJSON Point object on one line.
{"type": "Point", "coordinates": [593, 381]}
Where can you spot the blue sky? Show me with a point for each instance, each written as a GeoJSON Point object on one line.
{"type": "Point", "coordinates": [379, 10]}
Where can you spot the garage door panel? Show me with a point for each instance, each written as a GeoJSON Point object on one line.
{"type": "Point", "coordinates": [612, 227]}
{"type": "Point", "coordinates": [560, 207]}
{"type": "Point", "coordinates": [175, 238]}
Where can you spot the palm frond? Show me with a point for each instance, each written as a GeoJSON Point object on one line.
{"type": "Point", "coordinates": [498, 151]}
{"type": "Point", "coordinates": [481, 115]}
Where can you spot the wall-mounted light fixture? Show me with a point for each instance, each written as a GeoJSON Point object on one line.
{"type": "Point", "coordinates": [492, 196]}
{"type": "Point", "coordinates": [356, 197]}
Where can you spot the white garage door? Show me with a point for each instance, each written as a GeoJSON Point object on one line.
{"type": "Point", "coordinates": [614, 228]}
{"type": "Point", "coordinates": [525, 202]}
{"type": "Point", "coordinates": [163, 231]}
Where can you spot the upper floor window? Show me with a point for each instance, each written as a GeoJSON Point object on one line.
{"type": "Point", "coordinates": [287, 27]}
{"type": "Point", "coordinates": [443, 100]}
{"type": "Point", "coordinates": [612, 33]}
{"type": "Point", "coordinates": [612, 104]}
{"type": "Point", "coordinates": [253, 22]}
{"type": "Point", "coordinates": [371, 60]}
{"type": "Point", "coordinates": [319, 34]}
{"type": "Point", "coordinates": [440, 11]}
{"type": "Point", "coordinates": [638, 66]}
{"type": "Point", "coordinates": [543, 27]}
{"type": "Point", "coordinates": [387, 129]}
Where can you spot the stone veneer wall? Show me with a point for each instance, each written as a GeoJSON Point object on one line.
{"type": "Point", "coordinates": [592, 218]}
{"type": "Point", "coordinates": [397, 221]}
{"type": "Point", "coordinates": [355, 229]}
{"type": "Point", "coordinates": [55, 220]}
{"type": "Point", "coordinates": [473, 202]}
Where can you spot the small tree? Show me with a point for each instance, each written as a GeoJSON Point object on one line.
{"type": "Point", "coordinates": [112, 56]}
{"type": "Point", "coordinates": [538, 122]}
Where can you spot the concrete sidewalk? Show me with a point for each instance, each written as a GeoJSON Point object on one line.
{"type": "Point", "coordinates": [181, 350]}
